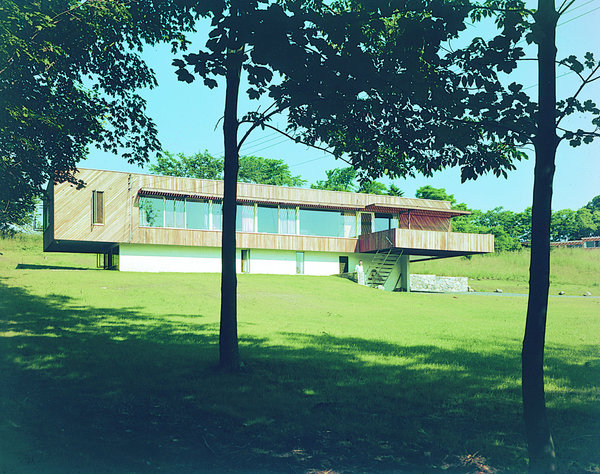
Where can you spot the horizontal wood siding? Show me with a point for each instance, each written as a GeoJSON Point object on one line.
{"type": "Point", "coordinates": [427, 240]}
{"type": "Point", "coordinates": [72, 216]}
{"type": "Point", "coordinates": [281, 194]}
{"type": "Point", "coordinates": [211, 238]}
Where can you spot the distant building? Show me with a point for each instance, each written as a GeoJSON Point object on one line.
{"type": "Point", "coordinates": [151, 223]}
{"type": "Point", "coordinates": [585, 242]}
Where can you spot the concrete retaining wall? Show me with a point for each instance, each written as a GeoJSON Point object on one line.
{"type": "Point", "coordinates": [438, 284]}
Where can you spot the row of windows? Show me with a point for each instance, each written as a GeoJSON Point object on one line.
{"type": "Point", "coordinates": [208, 215]}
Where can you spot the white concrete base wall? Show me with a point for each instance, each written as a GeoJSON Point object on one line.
{"type": "Point", "coordinates": [168, 258]}
{"type": "Point", "coordinates": [174, 258]}
{"type": "Point", "coordinates": [277, 262]}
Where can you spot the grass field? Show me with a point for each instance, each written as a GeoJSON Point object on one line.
{"type": "Point", "coordinates": [113, 372]}
{"type": "Point", "coordinates": [574, 271]}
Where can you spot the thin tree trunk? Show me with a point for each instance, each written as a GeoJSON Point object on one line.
{"type": "Point", "coordinates": [540, 445]}
{"type": "Point", "coordinates": [229, 358]}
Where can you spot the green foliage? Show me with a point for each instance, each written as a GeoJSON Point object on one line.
{"type": "Point", "coordinates": [344, 179]}
{"type": "Point", "coordinates": [438, 194]}
{"type": "Point", "coordinates": [255, 169]}
{"type": "Point", "coordinates": [395, 191]}
{"type": "Point", "coordinates": [252, 169]}
{"type": "Point", "coordinates": [338, 179]}
{"type": "Point", "coordinates": [69, 72]}
{"type": "Point", "coordinates": [372, 187]}
{"type": "Point", "coordinates": [199, 165]}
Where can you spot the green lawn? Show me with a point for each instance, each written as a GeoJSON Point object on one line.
{"type": "Point", "coordinates": [113, 372]}
{"type": "Point", "coordinates": [574, 271]}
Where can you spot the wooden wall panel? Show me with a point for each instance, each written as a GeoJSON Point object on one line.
{"type": "Point", "coordinates": [73, 208]}
{"type": "Point", "coordinates": [211, 238]}
{"type": "Point", "coordinates": [414, 241]}
{"type": "Point", "coordinates": [426, 222]}
{"type": "Point", "coordinates": [281, 194]}
{"type": "Point", "coordinates": [73, 216]}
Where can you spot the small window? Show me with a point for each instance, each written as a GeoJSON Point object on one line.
{"type": "Point", "coordinates": [97, 207]}
{"type": "Point", "coordinates": [300, 263]}
{"type": "Point", "coordinates": [245, 261]}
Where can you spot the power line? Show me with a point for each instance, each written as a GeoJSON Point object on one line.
{"type": "Point", "coordinates": [257, 139]}
{"type": "Point", "coordinates": [578, 16]}
{"type": "Point", "coordinates": [579, 6]}
{"type": "Point", "coordinates": [260, 143]}
{"type": "Point", "coordinates": [270, 146]}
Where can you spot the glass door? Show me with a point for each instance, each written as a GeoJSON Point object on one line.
{"type": "Point", "coordinates": [366, 223]}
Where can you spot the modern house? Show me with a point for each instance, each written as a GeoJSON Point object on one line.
{"type": "Point", "coordinates": [149, 223]}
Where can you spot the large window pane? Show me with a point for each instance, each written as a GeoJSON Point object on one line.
{"type": "Point", "coordinates": [287, 220]}
{"type": "Point", "coordinates": [349, 224]}
{"type": "Point", "coordinates": [151, 211]}
{"type": "Point", "coordinates": [267, 219]}
{"type": "Point", "coordinates": [174, 213]}
{"type": "Point", "coordinates": [197, 213]}
{"type": "Point", "coordinates": [382, 222]}
{"type": "Point", "coordinates": [325, 223]}
{"type": "Point", "coordinates": [244, 218]}
{"type": "Point", "coordinates": [216, 209]}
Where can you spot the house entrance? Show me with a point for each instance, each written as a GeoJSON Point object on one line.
{"type": "Point", "coordinates": [343, 264]}
{"type": "Point", "coordinates": [245, 261]}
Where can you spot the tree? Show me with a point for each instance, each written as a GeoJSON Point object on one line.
{"type": "Point", "coordinates": [462, 115]}
{"type": "Point", "coordinates": [258, 38]}
{"type": "Point", "coordinates": [338, 179]}
{"type": "Point", "coordinates": [69, 72]}
{"type": "Point", "coordinates": [318, 50]}
{"type": "Point", "coordinates": [395, 191]}
{"type": "Point", "coordinates": [199, 165]}
{"type": "Point", "coordinates": [255, 169]}
{"type": "Point", "coordinates": [343, 179]}
{"type": "Point", "coordinates": [563, 225]}
{"type": "Point", "coordinates": [372, 187]}
{"type": "Point", "coordinates": [252, 169]}
{"type": "Point", "coordinates": [438, 194]}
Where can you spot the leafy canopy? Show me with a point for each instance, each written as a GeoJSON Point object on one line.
{"type": "Point", "coordinates": [252, 169]}
{"type": "Point", "coordinates": [69, 72]}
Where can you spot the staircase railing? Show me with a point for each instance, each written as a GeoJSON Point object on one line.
{"type": "Point", "coordinates": [382, 265]}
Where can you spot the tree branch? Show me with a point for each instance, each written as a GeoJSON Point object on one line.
{"type": "Point", "coordinates": [564, 6]}
{"type": "Point", "coordinates": [73, 8]}
{"type": "Point", "coordinates": [583, 84]}
{"type": "Point", "coordinates": [256, 123]}
{"type": "Point", "coordinates": [505, 10]}
{"type": "Point", "coordinates": [317, 147]}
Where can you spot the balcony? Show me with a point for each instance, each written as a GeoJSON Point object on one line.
{"type": "Point", "coordinates": [427, 242]}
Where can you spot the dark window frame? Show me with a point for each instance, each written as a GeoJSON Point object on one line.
{"type": "Point", "coordinates": [98, 218]}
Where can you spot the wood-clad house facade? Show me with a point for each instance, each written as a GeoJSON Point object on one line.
{"type": "Point", "coordinates": [162, 223]}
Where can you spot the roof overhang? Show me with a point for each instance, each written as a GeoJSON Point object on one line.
{"type": "Point", "coordinates": [374, 207]}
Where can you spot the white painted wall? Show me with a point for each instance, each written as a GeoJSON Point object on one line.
{"type": "Point", "coordinates": [175, 258]}
{"type": "Point", "coordinates": [168, 258]}
{"type": "Point", "coordinates": [276, 262]}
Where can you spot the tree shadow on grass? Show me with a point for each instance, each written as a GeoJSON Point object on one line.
{"type": "Point", "coordinates": [125, 391]}
{"type": "Point", "coordinates": [27, 266]}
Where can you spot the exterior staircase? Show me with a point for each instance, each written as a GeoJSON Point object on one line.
{"type": "Point", "coordinates": [381, 266]}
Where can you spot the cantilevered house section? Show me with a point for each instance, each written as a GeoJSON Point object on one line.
{"type": "Point", "coordinates": [138, 222]}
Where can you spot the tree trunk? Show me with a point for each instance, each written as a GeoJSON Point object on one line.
{"type": "Point", "coordinates": [540, 445]}
{"type": "Point", "coordinates": [229, 357]}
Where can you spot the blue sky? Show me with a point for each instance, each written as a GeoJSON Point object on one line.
{"type": "Point", "coordinates": [187, 116]}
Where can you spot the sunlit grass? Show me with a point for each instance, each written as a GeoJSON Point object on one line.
{"type": "Point", "coordinates": [574, 271]}
{"type": "Point", "coordinates": [337, 376]}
